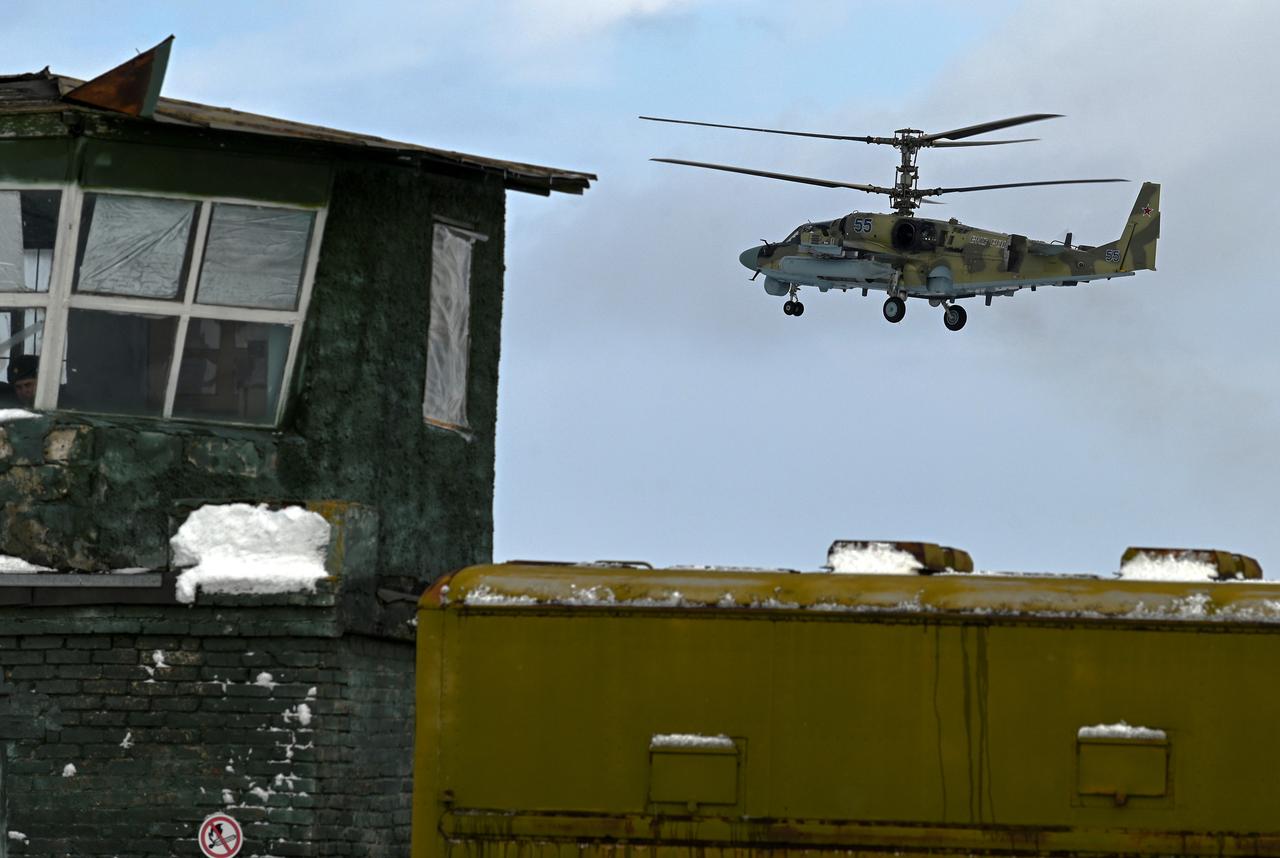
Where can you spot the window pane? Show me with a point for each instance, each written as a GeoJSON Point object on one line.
{"type": "Point", "coordinates": [117, 363]}
{"type": "Point", "coordinates": [136, 246]}
{"type": "Point", "coordinates": [231, 370]}
{"type": "Point", "coordinates": [449, 330]}
{"type": "Point", "coordinates": [21, 335]}
{"type": "Point", "coordinates": [28, 226]}
{"type": "Point", "coordinates": [254, 257]}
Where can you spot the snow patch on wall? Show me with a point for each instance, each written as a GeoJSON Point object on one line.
{"type": "Point", "coordinates": [241, 548]}
{"type": "Point", "coordinates": [872, 558]}
{"type": "Point", "coordinates": [1119, 730]}
{"type": "Point", "coordinates": [690, 740]}
{"type": "Point", "coordinates": [10, 414]}
{"type": "Point", "coordinates": [300, 713]}
{"type": "Point", "coordinates": [69, 770]}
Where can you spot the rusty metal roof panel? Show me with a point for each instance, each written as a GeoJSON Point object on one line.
{"type": "Point", "coordinates": [520, 176]}
{"type": "Point", "coordinates": [44, 91]}
{"type": "Point", "coordinates": [132, 88]}
{"type": "Point", "coordinates": [20, 92]}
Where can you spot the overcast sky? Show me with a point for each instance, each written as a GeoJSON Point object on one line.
{"type": "Point", "coordinates": [656, 405]}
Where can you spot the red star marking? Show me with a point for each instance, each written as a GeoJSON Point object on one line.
{"type": "Point", "coordinates": [1146, 211]}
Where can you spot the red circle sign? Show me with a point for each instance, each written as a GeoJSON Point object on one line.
{"type": "Point", "coordinates": [220, 837]}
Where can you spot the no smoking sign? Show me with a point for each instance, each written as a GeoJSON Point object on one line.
{"type": "Point", "coordinates": [220, 837]}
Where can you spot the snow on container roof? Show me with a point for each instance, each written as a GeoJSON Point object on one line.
{"type": "Point", "coordinates": [896, 558]}
{"type": "Point", "coordinates": [523, 586]}
{"type": "Point", "coordinates": [1188, 564]}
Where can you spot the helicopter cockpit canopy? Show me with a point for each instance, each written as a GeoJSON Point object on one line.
{"type": "Point", "coordinates": [823, 226]}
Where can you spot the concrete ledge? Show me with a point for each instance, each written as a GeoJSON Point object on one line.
{"type": "Point", "coordinates": [71, 579]}
{"type": "Point", "coordinates": [71, 588]}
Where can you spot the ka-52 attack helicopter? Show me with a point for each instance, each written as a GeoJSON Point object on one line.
{"type": "Point", "coordinates": [941, 261]}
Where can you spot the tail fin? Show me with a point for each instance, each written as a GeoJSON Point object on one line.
{"type": "Point", "coordinates": [1138, 244]}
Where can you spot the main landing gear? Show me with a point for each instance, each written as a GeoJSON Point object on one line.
{"type": "Point", "coordinates": [954, 317]}
{"type": "Point", "coordinates": [894, 309]}
{"type": "Point", "coordinates": [793, 307]}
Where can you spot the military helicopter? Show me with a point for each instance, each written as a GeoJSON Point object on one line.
{"type": "Point", "coordinates": [941, 261]}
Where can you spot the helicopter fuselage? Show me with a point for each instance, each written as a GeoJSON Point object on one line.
{"type": "Point", "coordinates": [914, 257]}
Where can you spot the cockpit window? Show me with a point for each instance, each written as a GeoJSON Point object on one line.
{"type": "Point", "coordinates": [823, 226]}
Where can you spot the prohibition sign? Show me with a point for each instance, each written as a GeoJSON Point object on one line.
{"type": "Point", "coordinates": [220, 837]}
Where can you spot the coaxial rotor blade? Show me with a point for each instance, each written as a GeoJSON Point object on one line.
{"type": "Point", "coordinates": [932, 192]}
{"type": "Point", "coordinates": [826, 183]}
{"type": "Point", "coordinates": [946, 145]}
{"type": "Point", "coordinates": [983, 128]}
{"type": "Point", "coordinates": [769, 130]}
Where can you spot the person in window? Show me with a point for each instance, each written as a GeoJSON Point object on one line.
{"type": "Point", "coordinates": [23, 373]}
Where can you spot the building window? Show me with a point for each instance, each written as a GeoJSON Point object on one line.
{"type": "Point", "coordinates": [28, 233]}
{"type": "Point", "coordinates": [166, 307]}
{"type": "Point", "coordinates": [444, 401]}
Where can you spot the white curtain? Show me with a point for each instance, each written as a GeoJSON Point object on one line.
{"type": "Point", "coordinates": [11, 256]}
{"type": "Point", "coordinates": [449, 330]}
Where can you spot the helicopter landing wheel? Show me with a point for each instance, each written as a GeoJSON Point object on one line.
{"type": "Point", "coordinates": [954, 317]}
{"type": "Point", "coordinates": [789, 308]}
{"type": "Point", "coordinates": [797, 309]}
{"type": "Point", "coordinates": [894, 309]}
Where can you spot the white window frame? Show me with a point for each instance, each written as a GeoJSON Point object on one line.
{"type": "Point", "coordinates": [59, 300]}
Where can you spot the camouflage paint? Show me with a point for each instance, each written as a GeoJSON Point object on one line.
{"type": "Point", "coordinates": [960, 262]}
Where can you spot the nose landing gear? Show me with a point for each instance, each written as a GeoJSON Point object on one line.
{"type": "Point", "coordinates": [793, 307]}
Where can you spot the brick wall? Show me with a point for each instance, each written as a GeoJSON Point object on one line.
{"type": "Point", "coordinates": [268, 711]}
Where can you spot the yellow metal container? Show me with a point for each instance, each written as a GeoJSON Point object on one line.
{"type": "Point", "coordinates": [589, 712]}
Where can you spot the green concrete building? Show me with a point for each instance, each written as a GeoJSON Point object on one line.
{"type": "Point", "coordinates": [206, 306]}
